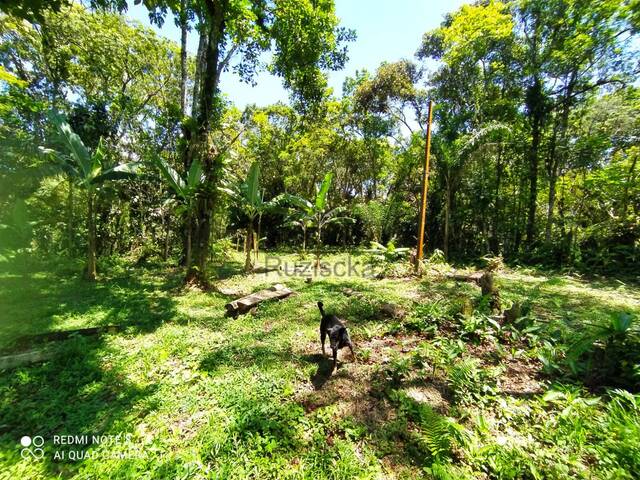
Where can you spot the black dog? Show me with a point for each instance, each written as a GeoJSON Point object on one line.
{"type": "Point", "coordinates": [338, 334]}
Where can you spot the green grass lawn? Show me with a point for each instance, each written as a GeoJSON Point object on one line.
{"type": "Point", "coordinates": [185, 392]}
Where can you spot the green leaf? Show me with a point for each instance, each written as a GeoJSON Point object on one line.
{"type": "Point", "coordinates": [553, 396]}
{"type": "Point", "coordinates": [173, 178]}
{"type": "Point", "coordinates": [252, 192]}
{"type": "Point", "coordinates": [194, 177]}
{"type": "Point", "coordinates": [73, 144]}
{"type": "Point", "coordinates": [321, 197]}
{"type": "Point", "coordinates": [10, 78]}
{"type": "Point", "coordinates": [119, 172]}
{"type": "Point", "coordinates": [97, 160]}
{"type": "Point", "coordinates": [299, 202]}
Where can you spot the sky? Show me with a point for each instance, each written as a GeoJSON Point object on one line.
{"type": "Point", "coordinates": [387, 30]}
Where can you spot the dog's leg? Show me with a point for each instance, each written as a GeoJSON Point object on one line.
{"type": "Point", "coordinates": [352, 353]}
{"type": "Point", "coordinates": [323, 337]}
{"type": "Point", "coordinates": [335, 359]}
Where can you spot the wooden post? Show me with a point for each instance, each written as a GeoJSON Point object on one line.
{"type": "Point", "coordinates": [425, 185]}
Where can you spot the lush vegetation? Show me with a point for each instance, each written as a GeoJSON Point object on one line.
{"type": "Point", "coordinates": [443, 392]}
{"type": "Point", "coordinates": [135, 196]}
{"type": "Point", "coordinates": [535, 149]}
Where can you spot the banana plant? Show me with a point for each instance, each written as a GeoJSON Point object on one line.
{"type": "Point", "coordinates": [186, 191]}
{"type": "Point", "coordinates": [88, 171]}
{"type": "Point", "coordinates": [299, 218]}
{"type": "Point", "coordinates": [250, 200]}
{"type": "Point", "coordinates": [388, 253]}
{"type": "Point", "coordinates": [316, 213]}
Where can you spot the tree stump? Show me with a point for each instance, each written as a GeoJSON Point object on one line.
{"type": "Point", "coordinates": [392, 310]}
{"type": "Point", "coordinates": [512, 314]}
{"type": "Point", "coordinates": [489, 289]}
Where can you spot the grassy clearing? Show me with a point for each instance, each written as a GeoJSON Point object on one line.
{"type": "Point", "coordinates": [437, 393]}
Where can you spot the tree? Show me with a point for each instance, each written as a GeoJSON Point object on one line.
{"type": "Point", "coordinates": [389, 94]}
{"type": "Point", "coordinates": [572, 47]}
{"type": "Point", "coordinates": [251, 202]}
{"type": "Point", "coordinates": [306, 39]}
{"type": "Point", "coordinates": [90, 170]}
{"type": "Point", "coordinates": [186, 190]}
{"type": "Point", "coordinates": [474, 90]}
{"type": "Point", "coordinates": [317, 213]}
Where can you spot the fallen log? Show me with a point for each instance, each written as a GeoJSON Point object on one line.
{"type": "Point", "coordinates": [485, 281]}
{"type": "Point", "coordinates": [392, 310]}
{"type": "Point", "coordinates": [13, 361]}
{"type": "Point", "coordinates": [470, 277]}
{"type": "Point", "coordinates": [27, 341]}
{"type": "Point", "coordinates": [244, 304]}
{"type": "Point", "coordinates": [265, 269]}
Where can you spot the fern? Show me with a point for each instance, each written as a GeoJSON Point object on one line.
{"type": "Point", "coordinates": [464, 379]}
{"type": "Point", "coordinates": [434, 432]}
{"type": "Point", "coordinates": [440, 471]}
{"type": "Point", "coordinates": [434, 435]}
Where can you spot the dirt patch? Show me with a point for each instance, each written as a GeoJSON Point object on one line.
{"type": "Point", "coordinates": [429, 394]}
{"type": "Point", "coordinates": [348, 388]}
{"type": "Point", "coordinates": [521, 377]}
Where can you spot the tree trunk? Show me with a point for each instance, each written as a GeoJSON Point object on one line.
{"type": "Point", "coordinates": [200, 62]}
{"type": "Point", "coordinates": [535, 111]}
{"type": "Point", "coordinates": [206, 117]}
{"type": "Point", "coordinates": [186, 242]}
{"type": "Point", "coordinates": [375, 175]}
{"type": "Point", "coordinates": [183, 56]}
{"type": "Point", "coordinates": [70, 225]}
{"type": "Point", "coordinates": [558, 159]}
{"type": "Point", "coordinates": [553, 178]}
{"type": "Point", "coordinates": [497, 213]}
{"type": "Point", "coordinates": [90, 273]}
{"type": "Point", "coordinates": [200, 242]}
{"type": "Point", "coordinates": [447, 213]}
{"type": "Point", "coordinates": [167, 233]}
{"type": "Point", "coordinates": [536, 136]}
{"type": "Point", "coordinates": [318, 243]}
{"type": "Point", "coordinates": [304, 240]}
{"type": "Point", "coordinates": [256, 240]}
{"type": "Point", "coordinates": [625, 196]}
{"type": "Point", "coordinates": [248, 264]}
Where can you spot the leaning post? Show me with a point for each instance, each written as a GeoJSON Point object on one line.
{"type": "Point", "coordinates": [425, 185]}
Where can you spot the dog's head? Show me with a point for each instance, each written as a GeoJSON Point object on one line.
{"type": "Point", "coordinates": [337, 335]}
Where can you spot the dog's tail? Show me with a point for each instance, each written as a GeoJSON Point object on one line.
{"type": "Point", "coordinates": [320, 305]}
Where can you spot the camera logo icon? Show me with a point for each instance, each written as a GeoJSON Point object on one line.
{"type": "Point", "coordinates": [32, 447]}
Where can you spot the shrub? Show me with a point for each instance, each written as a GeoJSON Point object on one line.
{"type": "Point", "coordinates": [608, 354]}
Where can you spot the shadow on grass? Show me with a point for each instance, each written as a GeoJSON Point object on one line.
{"type": "Point", "coordinates": [323, 373]}
{"type": "Point", "coordinates": [38, 301]}
{"type": "Point", "coordinates": [81, 390]}
{"type": "Point", "coordinates": [239, 355]}
{"type": "Point", "coordinates": [393, 429]}
{"type": "Point", "coordinates": [353, 301]}
{"type": "Point", "coordinates": [226, 269]}
{"type": "Point", "coordinates": [76, 393]}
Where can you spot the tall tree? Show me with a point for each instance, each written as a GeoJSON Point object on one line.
{"type": "Point", "coordinates": [475, 90]}
{"type": "Point", "coordinates": [305, 37]}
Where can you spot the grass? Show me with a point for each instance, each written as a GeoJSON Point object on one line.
{"type": "Point", "coordinates": [184, 392]}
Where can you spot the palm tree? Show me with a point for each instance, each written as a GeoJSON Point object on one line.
{"type": "Point", "coordinates": [300, 218]}
{"type": "Point", "coordinates": [88, 171]}
{"type": "Point", "coordinates": [317, 214]}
